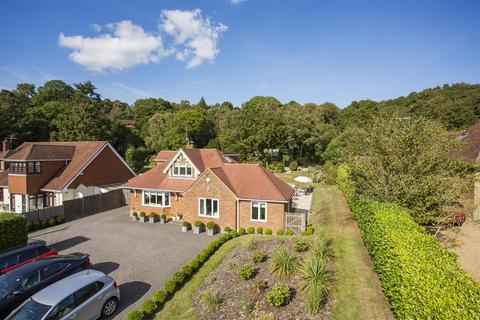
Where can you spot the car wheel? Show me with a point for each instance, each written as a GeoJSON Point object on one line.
{"type": "Point", "coordinates": [109, 307]}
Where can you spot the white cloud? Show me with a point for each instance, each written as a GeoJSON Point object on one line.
{"type": "Point", "coordinates": [196, 38]}
{"type": "Point", "coordinates": [135, 91]}
{"type": "Point", "coordinates": [126, 46]}
{"type": "Point", "coordinates": [237, 1]}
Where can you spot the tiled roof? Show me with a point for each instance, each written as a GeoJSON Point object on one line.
{"type": "Point", "coordinates": [252, 181]}
{"type": "Point", "coordinates": [471, 150]}
{"type": "Point", "coordinates": [156, 179]}
{"type": "Point", "coordinates": [165, 155]}
{"type": "Point", "coordinates": [205, 158]}
{"type": "Point", "coordinates": [42, 151]}
{"type": "Point", "coordinates": [84, 151]}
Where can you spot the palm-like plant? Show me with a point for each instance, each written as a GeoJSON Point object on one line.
{"type": "Point", "coordinates": [323, 249]}
{"type": "Point", "coordinates": [316, 283]}
{"type": "Point", "coordinates": [284, 263]}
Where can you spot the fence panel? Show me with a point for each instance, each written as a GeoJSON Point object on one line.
{"type": "Point", "coordinates": [81, 207]}
{"type": "Point", "coordinates": [296, 221]}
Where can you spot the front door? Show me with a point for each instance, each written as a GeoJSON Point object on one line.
{"type": "Point", "coordinates": [18, 203]}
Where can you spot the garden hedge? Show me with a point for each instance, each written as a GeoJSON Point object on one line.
{"type": "Point", "coordinates": [420, 278]}
{"type": "Point", "coordinates": [13, 230]}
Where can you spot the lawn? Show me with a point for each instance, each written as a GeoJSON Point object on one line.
{"type": "Point", "coordinates": [358, 291]}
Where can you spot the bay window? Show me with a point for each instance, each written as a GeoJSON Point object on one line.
{"type": "Point", "coordinates": [208, 207]}
{"type": "Point", "coordinates": [259, 211]}
{"type": "Point", "coordinates": [156, 199]}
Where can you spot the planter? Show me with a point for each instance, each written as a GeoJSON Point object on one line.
{"type": "Point", "coordinates": [152, 219]}
{"type": "Point", "coordinates": [197, 230]}
{"type": "Point", "coordinates": [143, 219]}
{"type": "Point", "coordinates": [185, 229]}
{"type": "Point", "coordinates": [162, 221]}
{"type": "Point", "coordinates": [211, 232]}
{"type": "Point", "coordinates": [134, 218]}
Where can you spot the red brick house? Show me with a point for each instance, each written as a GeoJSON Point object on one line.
{"type": "Point", "coordinates": [43, 174]}
{"type": "Point", "coordinates": [206, 185]}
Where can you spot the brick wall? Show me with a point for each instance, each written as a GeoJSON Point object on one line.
{"type": "Point", "coordinates": [136, 204]}
{"type": "Point", "coordinates": [275, 216]}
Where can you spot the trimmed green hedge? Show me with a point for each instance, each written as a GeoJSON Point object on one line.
{"type": "Point", "coordinates": [13, 230]}
{"type": "Point", "coordinates": [420, 278]}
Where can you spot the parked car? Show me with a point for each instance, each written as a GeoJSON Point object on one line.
{"type": "Point", "coordinates": [24, 281]}
{"type": "Point", "coordinates": [13, 258]}
{"type": "Point", "coordinates": [86, 295]}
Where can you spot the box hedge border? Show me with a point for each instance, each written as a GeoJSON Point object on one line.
{"type": "Point", "coordinates": [420, 278]}
{"type": "Point", "coordinates": [13, 230]}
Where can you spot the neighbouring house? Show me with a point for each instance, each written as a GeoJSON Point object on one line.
{"type": "Point", "coordinates": [471, 153]}
{"type": "Point", "coordinates": [44, 174]}
{"type": "Point", "coordinates": [206, 185]}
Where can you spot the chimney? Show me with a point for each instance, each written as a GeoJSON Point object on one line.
{"type": "Point", "coordinates": [5, 145]}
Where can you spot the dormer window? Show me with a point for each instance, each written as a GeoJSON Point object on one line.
{"type": "Point", "coordinates": [30, 167]}
{"type": "Point", "coordinates": [182, 170]}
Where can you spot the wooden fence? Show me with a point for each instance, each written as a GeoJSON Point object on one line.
{"type": "Point", "coordinates": [296, 221]}
{"type": "Point", "coordinates": [81, 207]}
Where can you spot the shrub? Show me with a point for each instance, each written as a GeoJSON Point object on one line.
{"type": "Point", "coordinates": [301, 245]}
{"type": "Point", "coordinates": [284, 263]}
{"type": "Point", "coordinates": [279, 232]}
{"type": "Point", "coordinates": [211, 300]}
{"type": "Point", "coordinates": [250, 230]}
{"type": "Point", "coordinates": [316, 283]}
{"type": "Point", "coordinates": [159, 297]}
{"type": "Point", "coordinates": [170, 287]}
{"type": "Point", "coordinates": [179, 277]}
{"type": "Point", "coordinates": [233, 234]}
{"type": "Point", "coordinates": [322, 249]}
{"type": "Point", "coordinates": [245, 271]}
{"type": "Point", "coordinates": [198, 224]}
{"type": "Point", "coordinates": [134, 214]}
{"type": "Point", "coordinates": [289, 232]}
{"type": "Point", "coordinates": [60, 219]}
{"type": "Point", "coordinates": [52, 222]}
{"type": "Point", "coordinates": [279, 295]}
{"type": "Point", "coordinates": [163, 217]}
{"type": "Point", "coordinates": [227, 229]}
{"type": "Point", "coordinates": [186, 224]}
{"type": "Point", "coordinates": [259, 230]}
{"type": "Point", "coordinates": [152, 214]}
{"type": "Point", "coordinates": [29, 226]}
{"type": "Point", "coordinates": [211, 225]}
{"type": "Point", "coordinates": [241, 231]}
{"type": "Point", "coordinates": [268, 231]}
{"type": "Point", "coordinates": [36, 225]}
{"type": "Point", "coordinates": [246, 305]}
{"type": "Point", "coordinates": [251, 244]}
{"type": "Point", "coordinates": [420, 278]}
{"type": "Point", "coordinates": [258, 256]}
{"type": "Point", "coordinates": [309, 231]}
{"type": "Point", "coordinates": [148, 307]}
{"type": "Point", "coordinates": [143, 214]}
{"type": "Point", "coordinates": [44, 224]}
{"type": "Point", "coordinates": [134, 315]}
{"type": "Point", "coordinates": [293, 165]}
{"type": "Point", "coordinates": [13, 230]}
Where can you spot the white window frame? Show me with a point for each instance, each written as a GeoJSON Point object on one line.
{"type": "Point", "coordinates": [258, 204]}
{"type": "Point", "coordinates": [205, 208]}
{"type": "Point", "coordinates": [178, 167]}
{"type": "Point", "coordinates": [157, 193]}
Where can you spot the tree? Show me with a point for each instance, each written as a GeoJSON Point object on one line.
{"type": "Point", "coordinates": [87, 89]}
{"type": "Point", "coordinates": [53, 90]}
{"type": "Point", "coordinates": [82, 120]}
{"type": "Point", "coordinates": [202, 103]}
{"type": "Point", "coordinates": [136, 157]}
{"type": "Point", "coordinates": [408, 162]}
{"type": "Point", "coordinates": [144, 109]}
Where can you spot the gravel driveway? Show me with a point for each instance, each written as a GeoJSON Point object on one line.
{"type": "Point", "coordinates": [139, 256]}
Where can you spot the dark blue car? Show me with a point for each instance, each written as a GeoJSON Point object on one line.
{"type": "Point", "coordinates": [24, 281]}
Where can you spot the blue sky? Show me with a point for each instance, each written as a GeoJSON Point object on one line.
{"type": "Point", "coordinates": [308, 51]}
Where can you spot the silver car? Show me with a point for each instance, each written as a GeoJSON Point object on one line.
{"type": "Point", "coordinates": [86, 295]}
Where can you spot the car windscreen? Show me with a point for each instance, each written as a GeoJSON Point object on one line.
{"type": "Point", "coordinates": [7, 283]}
{"type": "Point", "coordinates": [31, 310]}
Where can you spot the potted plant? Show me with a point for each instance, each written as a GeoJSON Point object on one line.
{"type": "Point", "coordinates": [186, 226]}
{"type": "Point", "coordinates": [197, 227]}
{"type": "Point", "coordinates": [211, 228]}
{"type": "Point", "coordinates": [143, 217]}
{"type": "Point", "coordinates": [152, 217]}
{"type": "Point", "coordinates": [134, 216]}
{"type": "Point", "coordinates": [163, 218]}
{"type": "Point", "coordinates": [179, 216]}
